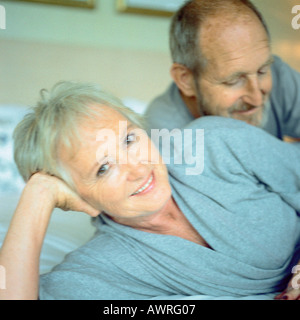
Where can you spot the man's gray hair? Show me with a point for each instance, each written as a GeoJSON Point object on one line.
{"type": "Point", "coordinates": [186, 25]}
{"type": "Point", "coordinates": [54, 121]}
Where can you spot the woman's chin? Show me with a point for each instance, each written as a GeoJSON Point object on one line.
{"type": "Point", "coordinates": [136, 215]}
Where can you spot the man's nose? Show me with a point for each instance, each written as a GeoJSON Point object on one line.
{"type": "Point", "coordinates": [254, 94]}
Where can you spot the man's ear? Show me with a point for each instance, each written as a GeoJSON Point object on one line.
{"type": "Point", "coordinates": [184, 79]}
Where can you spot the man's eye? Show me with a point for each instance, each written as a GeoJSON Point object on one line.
{"type": "Point", "coordinates": [263, 71]}
{"type": "Point", "coordinates": [103, 169]}
{"type": "Point", "coordinates": [232, 82]}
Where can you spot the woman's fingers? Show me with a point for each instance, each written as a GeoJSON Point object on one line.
{"type": "Point", "coordinates": [85, 207]}
{"type": "Point", "coordinates": [63, 196]}
{"type": "Point", "coordinates": [70, 200]}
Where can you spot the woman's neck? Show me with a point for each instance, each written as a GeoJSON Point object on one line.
{"type": "Point", "coordinates": [169, 221]}
{"type": "Point", "coordinates": [161, 222]}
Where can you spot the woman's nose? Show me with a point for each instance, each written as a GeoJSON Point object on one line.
{"type": "Point", "coordinates": [134, 168]}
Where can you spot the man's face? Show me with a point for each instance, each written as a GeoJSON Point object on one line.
{"type": "Point", "coordinates": [236, 82]}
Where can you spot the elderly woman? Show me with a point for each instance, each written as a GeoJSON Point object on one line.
{"type": "Point", "coordinates": [232, 230]}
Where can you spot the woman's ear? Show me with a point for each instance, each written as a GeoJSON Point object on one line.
{"type": "Point", "coordinates": [184, 79]}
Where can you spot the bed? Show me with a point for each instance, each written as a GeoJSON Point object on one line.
{"type": "Point", "coordinates": [67, 230]}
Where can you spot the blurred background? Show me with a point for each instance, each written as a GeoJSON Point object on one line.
{"type": "Point", "coordinates": [126, 53]}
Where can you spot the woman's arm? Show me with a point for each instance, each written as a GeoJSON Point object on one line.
{"type": "Point", "coordinates": [21, 248]}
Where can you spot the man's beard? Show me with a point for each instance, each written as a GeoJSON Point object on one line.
{"type": "Point", "coordinates": [257, 119]}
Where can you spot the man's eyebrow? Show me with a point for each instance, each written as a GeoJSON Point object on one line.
{"type": "Point", "coordinates": [268, 62]}
{"type": "Point", "coordinates": [234, 76]}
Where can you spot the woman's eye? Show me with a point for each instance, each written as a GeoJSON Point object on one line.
{"type": "Point", "coordinates": [103, 169]}
{"type": "Point", "coordinates": [130, 138]}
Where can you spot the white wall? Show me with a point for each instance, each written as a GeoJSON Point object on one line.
{"type": "Point", "coordinates": [105, 27]}
{"type": "Point", "coordinates": [100, 27]}
{"type": "Point", "coordinates": [126, 53]}
{"type": "Point", "coordinates": [42, 44]}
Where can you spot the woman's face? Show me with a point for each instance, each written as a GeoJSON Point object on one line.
{"type": "Point", "coordinates": [116, 168]}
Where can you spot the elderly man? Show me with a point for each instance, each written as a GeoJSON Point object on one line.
{"type": "Point", "coordinates": [223, 65]}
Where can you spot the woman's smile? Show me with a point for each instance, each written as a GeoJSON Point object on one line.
{"type": "Point", "coordinates": [146, 187]}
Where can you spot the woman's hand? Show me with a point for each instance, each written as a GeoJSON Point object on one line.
{"type": "Point", "coordinates": [62, 195]}
{"type": "Point", "coordinates": [292, 291]}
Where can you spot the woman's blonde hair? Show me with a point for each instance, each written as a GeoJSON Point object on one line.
{"type": "Point", "coordinates": [53, 122]}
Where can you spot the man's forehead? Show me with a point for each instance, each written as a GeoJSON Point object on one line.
{"type": "Point", "coordinates": [234, 46]}
{"type": "Point", "coordinates": [222, 29]}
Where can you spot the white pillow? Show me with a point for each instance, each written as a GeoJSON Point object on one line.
{"type": "Point", "coordinates": [10, 179]}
